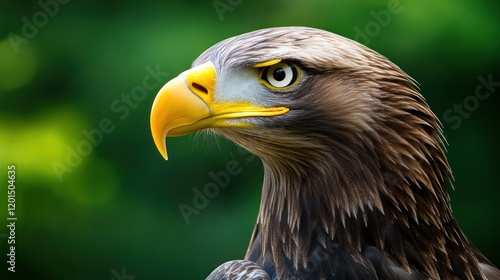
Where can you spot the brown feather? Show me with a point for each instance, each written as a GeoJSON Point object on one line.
{"type": "Point", "coordinates": [355, 173]}
{"type": "Point", "coordinates": [238, 270]}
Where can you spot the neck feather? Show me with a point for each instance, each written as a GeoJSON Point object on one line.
{"type": "Point", "coordinates": [356, 197]}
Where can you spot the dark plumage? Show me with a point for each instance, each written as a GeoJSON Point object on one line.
{"type": "Point", "coordinates": [355, 172]}
{"type": "Point", "coordinates": [238, 270]}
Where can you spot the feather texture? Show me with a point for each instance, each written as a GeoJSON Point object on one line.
{"type": "Point", "coordinates": [355, 174]}
{"type": "Point", "coordinates": [238, 270]}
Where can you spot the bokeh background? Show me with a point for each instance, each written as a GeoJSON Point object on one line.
{"type": "Point", "coordinates": [111, 211]}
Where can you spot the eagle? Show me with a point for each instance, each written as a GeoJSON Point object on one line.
{"type": "Point", "coordinates": [355, 173]}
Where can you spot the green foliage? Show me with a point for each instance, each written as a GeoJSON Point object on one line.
{"type": "Point", "coordinates": [64, 83]}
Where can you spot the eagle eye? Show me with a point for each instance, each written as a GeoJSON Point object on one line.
{"type": "Point", "coordinates": [280, 76]}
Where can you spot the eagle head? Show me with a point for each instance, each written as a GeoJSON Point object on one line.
{"type": "Point", "coordinates": [354, 166]}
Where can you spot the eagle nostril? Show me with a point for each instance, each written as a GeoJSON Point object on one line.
{"type": "Point", "coordinates": [200, 88]}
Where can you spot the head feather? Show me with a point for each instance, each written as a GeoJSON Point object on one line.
{"type": "Point", "coordinates": [355, 170]}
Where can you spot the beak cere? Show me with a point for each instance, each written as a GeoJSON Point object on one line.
{"type": "Point", "coordinates": [187, 104]}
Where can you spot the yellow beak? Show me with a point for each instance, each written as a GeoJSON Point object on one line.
{"type": "Point", "coordinates": [186, 104]}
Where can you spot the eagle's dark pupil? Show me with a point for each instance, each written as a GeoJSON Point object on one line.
{"type": "Point", "coordinates": [279, 74]}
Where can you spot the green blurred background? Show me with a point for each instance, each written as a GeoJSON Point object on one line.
{"type": "Point", "coordinates": [112, 212]}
